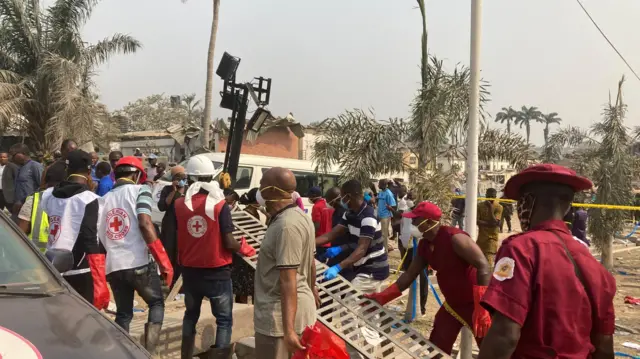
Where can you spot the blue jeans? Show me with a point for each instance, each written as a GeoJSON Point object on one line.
{"type": "Point", "coordinates": [220, 294]}
{"type": "Point", "coordinates": [146, 282]}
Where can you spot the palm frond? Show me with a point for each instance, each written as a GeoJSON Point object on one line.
{"type": "Point", "coordinates": [102, 51]}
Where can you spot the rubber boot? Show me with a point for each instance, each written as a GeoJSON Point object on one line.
{"type": "Point", "coordinates": [186, 348]}
{"type": "Point", "coordinates": [225, 353]}
{"type": "Point", "coordinates": [152, 336]}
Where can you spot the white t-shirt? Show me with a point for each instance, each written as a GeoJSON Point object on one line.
{"type": "Point", "coordinates": [1, 171]}
{"type": "Point", "coordinates": [405, 224]}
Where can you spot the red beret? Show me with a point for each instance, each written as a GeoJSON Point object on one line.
{"type": "Point", "coordinates": [426, 210]}
{"type": "Point", "coordinates": [545, 172]}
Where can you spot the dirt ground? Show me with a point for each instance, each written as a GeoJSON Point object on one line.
{"type": "Point", "coordinates": [627, 274]}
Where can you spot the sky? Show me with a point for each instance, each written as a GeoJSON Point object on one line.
{"type": "Point", "coordinates": [331, 55]}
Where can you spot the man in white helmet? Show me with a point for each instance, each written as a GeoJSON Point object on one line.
{"type": "Point", "coordinates": [127, 232]}
{"type": "Point", "coordinates": [205, 253]}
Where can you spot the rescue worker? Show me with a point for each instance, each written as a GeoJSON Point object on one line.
{"type": "Point", "coordinates": [367, 254]}
{"type": "Point", "coordinates": [461, 269]}
{"type": "Point", "coordinates": [128, 234]}
{"type": "Point", "coordinates": [549, 297]}
{"type": "Point", "coordinates": [205, 253]}
{"type": "Point", "coordinates": [73, 220]}
{"type": "Point", "coordinates": [32, 218]}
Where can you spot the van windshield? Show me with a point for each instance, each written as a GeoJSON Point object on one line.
{"type": "Point", "coordinates": [21, 268]}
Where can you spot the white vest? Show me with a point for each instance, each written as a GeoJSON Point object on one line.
{"type": "Point", "coordinates": [65, 218]}
{"type": "Point", "coordinates": [118, 229]}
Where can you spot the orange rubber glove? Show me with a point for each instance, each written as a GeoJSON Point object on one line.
{"type": "Point", "coordinates": [100, 290]}
{"type": "Point", "coordinates": [386, 295]}
{"type": "Point", "coordinates": [164, 264]}
{"type": "Point", "coordinates": [481, 318]}
{"type": "Point", "coordinates": [245, 249]}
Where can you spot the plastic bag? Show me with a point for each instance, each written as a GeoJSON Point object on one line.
{"type": "Point", "coordinates": [321, 343]}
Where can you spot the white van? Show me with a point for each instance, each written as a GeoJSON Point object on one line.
{"type": "Point", "coordinates": [250, 170]}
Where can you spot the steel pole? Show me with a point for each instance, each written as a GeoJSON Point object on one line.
{"type": "Point", "coordinates": [466, 341]}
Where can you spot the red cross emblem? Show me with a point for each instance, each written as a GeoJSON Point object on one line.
{"type": "Point", "coordinates": [118, 224]}
{"type": "Point", "coordinates": [197, 226]}
{"type": "Point", "coordinates": [54, 229]}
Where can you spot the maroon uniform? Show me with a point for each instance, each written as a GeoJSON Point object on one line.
{"type": "Point", "coordinates": [535, 284]}
{"type": "Point", "coordinates": [456, 279]}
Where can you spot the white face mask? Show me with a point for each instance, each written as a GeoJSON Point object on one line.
{"type": "Point", "coordinates": [260, 200]}
{"type": "Point", "coordinates": [415, 232]}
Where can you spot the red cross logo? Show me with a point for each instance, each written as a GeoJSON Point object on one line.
{"type": "Point", "coordinates": [54, 229]}
{"type": "Point", "coordinates": [115, 224]}
{"type": "Point", "coordinates": [197, 226]}
{"type": "Point", "coordinates": [118, 224]}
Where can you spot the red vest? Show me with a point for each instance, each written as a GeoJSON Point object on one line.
{"type": "Point", "coordinates": [199, 240]}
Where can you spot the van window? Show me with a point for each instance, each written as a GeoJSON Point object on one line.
{"type": "Point", "coordinates": [243, 178]}
{"type": "Point", "coordinates": [327, 182]}
{"type": "Point", "coordinates": [306, 180]}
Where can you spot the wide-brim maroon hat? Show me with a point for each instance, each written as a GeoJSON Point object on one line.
{"type": "Point", "coordinates": [545, 172]}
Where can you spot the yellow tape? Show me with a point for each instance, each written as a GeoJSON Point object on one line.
{"type": "Point", "coordinates": [453, 313]}
{"type": "Point", "coordinates": [584, 205]}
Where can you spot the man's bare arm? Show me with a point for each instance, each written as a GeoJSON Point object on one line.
{"type": "Point", "coordinates": [468, 250]}
{"type": "Point", "coordinates": [357, 254]}
{"type": "Point", "coordinates": [604, 346]}
{"type": "Point", "coordinates": [502, 339]}
{"type": "Point", "coordinates": [289, 296]}
{"type": "Point", "coordinates": [336, 232]}
{"type": "Point", "coordinates": [230, 243]}
{"type": "Point", "coordinates": [146, 228]}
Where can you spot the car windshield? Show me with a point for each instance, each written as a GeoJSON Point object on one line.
{"type": "Point", "coordinates": [167, 176]}
{"type": "Point", "coordinates": [21, 268]}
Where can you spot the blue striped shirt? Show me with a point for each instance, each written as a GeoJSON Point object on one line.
{"type": "Point", "coordinates": [363, 224]}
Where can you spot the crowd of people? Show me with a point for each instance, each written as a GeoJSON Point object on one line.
{"type": "Point", "coordinates": [545, 296]}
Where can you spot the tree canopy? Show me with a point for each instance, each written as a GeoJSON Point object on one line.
{"type": "Point", "coordinates": [156, 112]}
{"type": "Point", "coordinates": [46, 69]}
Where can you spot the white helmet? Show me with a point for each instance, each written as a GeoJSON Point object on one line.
{"type": "Point", "coordinates": [200, 166]}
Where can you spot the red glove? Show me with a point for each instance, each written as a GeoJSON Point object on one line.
{"type": "Point", "coordinates": [245, 249]}
{"type": "Point", "coordinates": [386, 295]}
{"type": "Point", "coordinates": [481, 318]}
{"type": "Point", "coordinates": [100, 290]}
{"type": "Point", "coordinates": [160, 255]}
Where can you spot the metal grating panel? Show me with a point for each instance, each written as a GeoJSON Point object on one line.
{"type": "Point", "coordinates": [400, 341]}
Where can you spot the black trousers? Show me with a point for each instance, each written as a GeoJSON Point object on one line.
{"type": "Point", "coordinates": [505, 219]}
{"type": "Point", "coordinates": [83, 284]}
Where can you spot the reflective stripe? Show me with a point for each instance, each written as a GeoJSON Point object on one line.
{"type": "Point", "coordinates": [39, 224]}
{"type": "Point", "coordinates": [453, 313]}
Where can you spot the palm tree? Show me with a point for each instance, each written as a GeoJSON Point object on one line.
{"type": "Point", "coordinates": [526, 116]}
{"type": "Point", "coordinates": [46, 69]}
{"type": "Point", "coordinates": [507, 115]}
{"type": "Point", "coordinates": [549, 119]}
{"type": "Point", "coordinates": [190, 104]}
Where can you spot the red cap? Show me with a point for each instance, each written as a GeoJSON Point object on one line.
{"type": "Point", "coordinates": [426, 210]}
{"type": "Point", "coordinates": [545, 172]}
{"type": "Point", "coordinates": [136, 162]}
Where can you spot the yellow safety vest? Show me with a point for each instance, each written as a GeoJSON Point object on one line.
{"type": "Point", "coordinates": [39, 234]}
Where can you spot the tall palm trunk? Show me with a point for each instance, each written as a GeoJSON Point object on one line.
{"type": "Point", "coordinates": [546, 134]}
{"type": "Point", "coordinates": [528, 127]}
{"type": "Point", "coordinates": [425, 57]}
{"type": "Point", "coordinates": [509, 126]}
{"type": "Point", "coordinates": [208, 94]}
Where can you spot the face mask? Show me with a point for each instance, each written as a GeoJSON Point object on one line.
{"type": "Point", "coordinates": [344, 204]}
{"type": "Point", "coordinates": [263, 202]}
{"type": "Point", "coordinates": [182, 183]}
{"type": "Point", "coordinates": [259, 199]}
{"type": "Point", "coordinates": [416, 232]}
{"type": "Point", "coordinates": [525, 210]}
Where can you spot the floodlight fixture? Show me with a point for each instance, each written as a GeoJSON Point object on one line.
{"type": "Point", "coordinates": [228, 67]}
{"type": "Point", "coordinates": [258, 119]}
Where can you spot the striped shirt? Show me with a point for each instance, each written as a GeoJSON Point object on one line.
{"type": "Point", "coordinates": [363, 224]}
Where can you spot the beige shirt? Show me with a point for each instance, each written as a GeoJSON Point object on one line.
{"type": "Point", "coordinates": [288, 243]}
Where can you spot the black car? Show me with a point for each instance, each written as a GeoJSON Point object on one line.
{"type": "Point", "coordinates": [41, 316]}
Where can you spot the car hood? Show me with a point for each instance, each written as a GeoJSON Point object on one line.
{"type": "Point", "coordinates": [60, 327]}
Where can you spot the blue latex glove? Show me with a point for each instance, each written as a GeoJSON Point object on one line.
{"type": "Point", "coordinates": [332, 252]}
{"type": "Point", "coordinates": [332, 272]}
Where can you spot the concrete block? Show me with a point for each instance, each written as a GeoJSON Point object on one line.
{"type": "Point", "coordinates": [171, 335]}
{"type": "Point", "coordinates": [246, 348]}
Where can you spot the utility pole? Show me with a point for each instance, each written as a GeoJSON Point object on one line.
{"type": "Point", "coordinates": [471, 201]}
